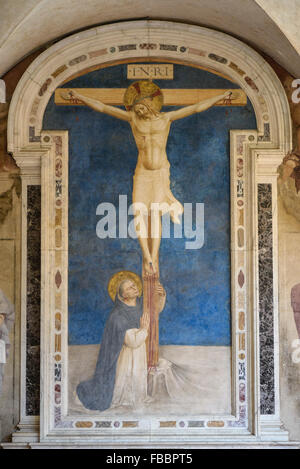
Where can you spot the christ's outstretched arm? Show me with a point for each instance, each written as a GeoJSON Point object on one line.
{"type": "Point", "coordinates": [199, 107]}
{"type": "Point", "coordinates": [97, 105]}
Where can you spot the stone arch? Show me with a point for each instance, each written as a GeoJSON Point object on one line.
{"type": "Point", "coordinates": [153, 40]}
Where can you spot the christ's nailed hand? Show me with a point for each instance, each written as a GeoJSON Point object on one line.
{"type": "Point", "coordinates": [68, 94]}
{"type": "Point", "coordinates": [231, 94]}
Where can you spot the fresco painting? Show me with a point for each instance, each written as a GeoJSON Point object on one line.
{"type": "Point", "coordinates": [149, 320]}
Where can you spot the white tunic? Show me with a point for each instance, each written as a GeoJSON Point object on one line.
{"type": "Point", "coordinates": [131, 373]}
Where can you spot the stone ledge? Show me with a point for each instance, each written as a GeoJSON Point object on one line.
{"type": "Point", "coordinates": [113, 446]}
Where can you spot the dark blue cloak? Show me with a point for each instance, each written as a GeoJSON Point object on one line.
{"type": "Point", "coordinates": [97, 393]}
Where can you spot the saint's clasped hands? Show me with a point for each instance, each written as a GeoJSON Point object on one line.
{"type": "Point", "coordinates": [159, 289]}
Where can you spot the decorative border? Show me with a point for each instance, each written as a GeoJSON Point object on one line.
{"type": "Point", "coordinates": [55, 301]}
{"type": "Point", "coordinates": [240, 200]}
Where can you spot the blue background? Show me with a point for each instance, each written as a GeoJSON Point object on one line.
{"type": "Point", "coordinates": [102, 159]}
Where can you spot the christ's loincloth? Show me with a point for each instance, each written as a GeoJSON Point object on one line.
{"type": "Point", "coordinates": [152, 186]}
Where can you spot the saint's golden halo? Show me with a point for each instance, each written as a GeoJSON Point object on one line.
{"type": "Point", "coordinates": [118, 277]}
{"type": "Point", "coordinates": [143, 89]}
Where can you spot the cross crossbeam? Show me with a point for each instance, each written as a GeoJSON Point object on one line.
{"type": "Point", "coordinates": [172, 97]}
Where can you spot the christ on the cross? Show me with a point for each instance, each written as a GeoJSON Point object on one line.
{"type": "Point", "coordinates": [150, 127]}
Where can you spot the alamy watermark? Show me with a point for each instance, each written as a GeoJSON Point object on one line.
{"type": "Point", "coordinates": [296, 352]}
{"type": "Point", "coordinates": [150, 222]}
{"type": "Point", "coordinates": [296, 93]}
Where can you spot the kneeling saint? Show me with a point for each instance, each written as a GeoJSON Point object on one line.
{"type": "Point", "coordinates": [120, 378]}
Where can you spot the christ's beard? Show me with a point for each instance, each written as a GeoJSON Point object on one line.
{"type": "Point", "coordinates": [145, 116]}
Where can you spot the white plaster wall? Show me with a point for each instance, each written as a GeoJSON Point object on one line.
{"type": "Point", "coordinates": [286, 14]}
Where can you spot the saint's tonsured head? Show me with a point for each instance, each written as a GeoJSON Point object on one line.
{"type": "Point", "coordinates": [121, 281]}
{"type": "Point", "coordinates": [128, 290]}
{"type": "Point", "coordinates": [143, 96]}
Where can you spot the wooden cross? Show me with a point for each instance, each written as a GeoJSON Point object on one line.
{"type": "Point", "coordinates": [172, 97]}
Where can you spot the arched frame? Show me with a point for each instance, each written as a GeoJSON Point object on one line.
{"type": "Point", "coordinates": [36, 151]}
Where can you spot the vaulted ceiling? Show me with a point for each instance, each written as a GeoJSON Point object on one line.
{"type": "Point", "coordinates": [269, 25]}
